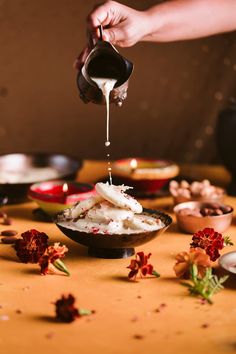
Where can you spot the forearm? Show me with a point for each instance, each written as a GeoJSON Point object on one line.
{"type": "Point", "coordinates": [189, 19]}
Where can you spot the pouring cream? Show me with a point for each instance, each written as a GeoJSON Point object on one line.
{"type": "Point", "coordinates": [106, 85]}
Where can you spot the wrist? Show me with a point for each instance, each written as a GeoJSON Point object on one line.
{"type": "Point", "coordinates": [154, 22]}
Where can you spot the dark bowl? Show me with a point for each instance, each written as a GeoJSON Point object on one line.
{"type": "Point", "coordinates": [115, 246]}
{"type": "Point", "coordinates": [65, 166]}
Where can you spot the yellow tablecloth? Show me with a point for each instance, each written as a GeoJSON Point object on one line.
{"type": "Point", "coordinates": [126, 320]}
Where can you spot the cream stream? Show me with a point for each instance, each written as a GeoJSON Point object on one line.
{"type": "Point", "coordinates": [106, 85]}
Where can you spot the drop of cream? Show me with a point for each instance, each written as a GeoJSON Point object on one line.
{"type": "Point", "coordinates": [107, 143]}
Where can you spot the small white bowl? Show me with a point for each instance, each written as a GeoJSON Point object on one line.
{"type": "Point", "coordinates": [228, 262]}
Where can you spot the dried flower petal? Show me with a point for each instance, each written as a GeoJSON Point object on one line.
{"type": "Point", "coordinates": [209, 240]}
{"type": "Point", "coordinates": [32, 246]}
{"type": "Point", "coordinates": [184, 260]}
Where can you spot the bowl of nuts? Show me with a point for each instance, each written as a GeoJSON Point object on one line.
{"type": "Point", "coordinates": [196, 191]}
{"type": "Point", "coordinates": [194, 216]}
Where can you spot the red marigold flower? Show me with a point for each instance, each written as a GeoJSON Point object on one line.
{"type": "Point", "coordinates": [51, 259]}
{"type": "Point", "coordinates": [32, 246]}
{"type": "Point", "coordinates": [184, 260]}
{"type": "Point", "coordinates": [140, 265]}
{"type": "Point", "coordinates": [209, 240]}
{"type": "Point", "coordinates": [66, 310]}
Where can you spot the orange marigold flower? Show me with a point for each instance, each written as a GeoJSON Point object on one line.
{"type": "Point", "coordinates": [184, 260]}
{"type": "Point", "coordinates": [51, 259]}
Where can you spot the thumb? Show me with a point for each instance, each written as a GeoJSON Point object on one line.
{"type": "Point", "coordinates": [113, 35]}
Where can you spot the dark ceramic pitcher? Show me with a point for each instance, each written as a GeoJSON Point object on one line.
{"type": "Point", "coordinates": [104, 61]}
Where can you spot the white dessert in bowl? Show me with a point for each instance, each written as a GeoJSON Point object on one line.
{"type": "Point", "coordinates": [112, 220]}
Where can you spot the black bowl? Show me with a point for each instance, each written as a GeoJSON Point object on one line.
{"type": "Point", "coordinates": [65, 166]}
{"type": "Point", "coordinates": [115, 246]}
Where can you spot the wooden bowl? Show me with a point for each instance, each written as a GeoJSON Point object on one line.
{"type": "Point", "coordinates": [114, 246]}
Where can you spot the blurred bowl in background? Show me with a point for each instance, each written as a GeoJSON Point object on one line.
{"type": "Point", "coordinates": [203, 191]}
{"type": "Point", "coordinates": [218, 199]}
{"type": "Point", "coordinates": [193, 223]}
{"type": "Point", "coordinates": [52, 197]}
{"type": "Point", "coordinates": [228, 262]}
{"type": "Point", "coordinates": [18, 171]}
{"type": "Point", "coordinates": [145, 175]}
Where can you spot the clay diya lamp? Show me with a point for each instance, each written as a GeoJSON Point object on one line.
{"type": "Point", "coordinates": [146, 176]}
{"type": "Point", "coordinates": [55, 196]}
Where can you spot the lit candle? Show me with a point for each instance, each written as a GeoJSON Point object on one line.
{"type": "Point", "coordinates": [54, 196]}
{"type": "Point", "coordinates": [133, 165]}
{"type": "Point", "coordinates": [145, 175]}
{"type": "Point", "coordinates": [65, 189]}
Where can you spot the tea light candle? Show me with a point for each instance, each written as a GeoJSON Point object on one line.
{"type": "Point", "coordinates": [133, 165]}
{"type": "Point", "coordinates": [54, 196]}
{"type": "Point", "coordinates": [65, 189]}
{"type": "Point", "coordinates": [144, 174]}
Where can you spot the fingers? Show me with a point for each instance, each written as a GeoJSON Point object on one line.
{"type": "Point", "coordinates": [103, 15]}
{"type": "Point", "coordinates": [79, 62]}
{"type": "Point", "coordinates": [113, 35]}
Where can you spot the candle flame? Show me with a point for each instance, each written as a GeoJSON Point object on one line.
{"type": "Point", "coordinates": [65, 188]}
{"type": "Point", "coordinates": [133, 164]}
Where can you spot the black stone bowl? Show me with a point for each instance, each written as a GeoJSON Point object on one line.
{"type": "Point", "coordinates": [115, 246]}
{"type": "Point", "coordinates": [65, 166]}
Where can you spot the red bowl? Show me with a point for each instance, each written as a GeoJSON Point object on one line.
{"type": "Point", "coordinates": [51, 198]}
{"type": "Point", "coordinates": [149, 176]}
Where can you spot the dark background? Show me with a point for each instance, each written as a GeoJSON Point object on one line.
{"type": "Point", "coordinates": [175, 93]}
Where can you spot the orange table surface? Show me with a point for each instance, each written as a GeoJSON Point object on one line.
{"type": "Point", "coordinates": [126, 320]}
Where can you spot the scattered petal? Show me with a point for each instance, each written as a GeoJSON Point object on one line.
{"type": "Point", "coordinates": [134, 319]}
{"type": "Point", "coordinates": [138, 336]}
{"type": "Point", "coordinates": [25, 288]}
{"type": "Point", "coordinates": [205, 325]}
{"type": "Point", "coordinates": [50, 335]}
{"type": "Point", "coordinates": [161, 307]}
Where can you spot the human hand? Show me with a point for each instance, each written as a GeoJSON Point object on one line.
{"type": "Point", "coordinates": [122, 25]}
